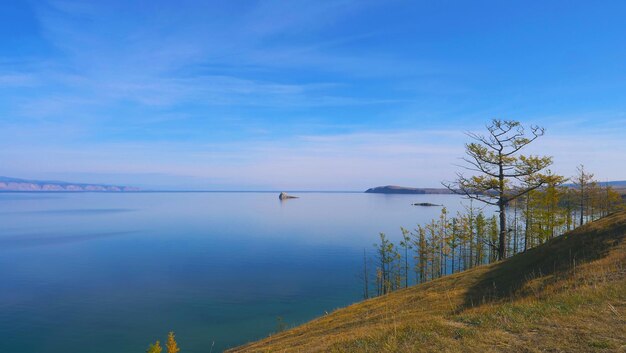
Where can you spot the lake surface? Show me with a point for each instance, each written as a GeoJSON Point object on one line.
{"type": "Point", "coordinates": [99, 272]}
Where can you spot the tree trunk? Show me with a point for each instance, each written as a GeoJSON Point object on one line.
{"type": "Point", "coordinates": [515, 225]}
{"type": "Point", "coordinates": [502, 240]}
{"type": "Point", "coordinates": [406, 266]}
{"type": "Point", "coordinates": [582, 203]}
{"type": "Point", "coordinates": [527, 224]}
{"type": "Point", "coordinates": [502, 202]}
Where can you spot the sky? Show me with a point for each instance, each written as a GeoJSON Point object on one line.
{"type": "Point", "coordinates": [302, 95]}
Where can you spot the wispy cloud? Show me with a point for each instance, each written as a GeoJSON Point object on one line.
{"type": "Point", "coordinates": [298, 94]}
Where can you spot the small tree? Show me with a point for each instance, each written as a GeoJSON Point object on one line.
{"type": "Point", "coordinates": [502, 173]}
{"type": "Point", "coordinates": [613, 200]}
{"type": "Point", "coordinates": [481, 238]}
{"type": "Point", "coordinates": [582, 181]}
{"type": "Point", "coordinates": [386, 257]}
{"type": "Point", "coordinates": [405, 243]}
{"type": "Point", "coordinates": [552, 195]}
{"type": "Point", "coordinates": [420, 244]}
{"type": "Point", "coordinates": [155, 348]}
{"type": "Point", "coordinates": [172, 346]}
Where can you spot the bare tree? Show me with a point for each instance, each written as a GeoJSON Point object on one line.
{"type": "Point", "coordinates": [501, 174]}
{"type": "Point", "coordinates": [582, 180]}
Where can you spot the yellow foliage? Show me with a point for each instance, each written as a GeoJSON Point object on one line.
{"type": "Point", "coordinates": [172, 346]}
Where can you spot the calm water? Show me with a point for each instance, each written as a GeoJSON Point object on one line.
{"type": "Point", "coordinates": [97, 272]}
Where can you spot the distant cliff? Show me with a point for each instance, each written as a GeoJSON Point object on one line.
{"type": "Point", "coordinates": [14, 184]}
{"type": "Point", "coordinates": [394, 189]}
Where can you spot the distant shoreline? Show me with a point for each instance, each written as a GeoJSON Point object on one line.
{"type": "Point", "coordinates": [175, 191]}
{"type": "Point", "coordinates": [395, 189]}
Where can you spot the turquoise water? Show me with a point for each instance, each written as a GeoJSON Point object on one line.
{"type": "Point", "coordinates": [98, 272]}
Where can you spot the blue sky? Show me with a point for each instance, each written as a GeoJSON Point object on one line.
{"type": "Point", "coordinates": [308, 95]}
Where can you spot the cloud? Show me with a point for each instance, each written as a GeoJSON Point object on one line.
{"type": "Point", "coordinates": [303, 161]}
{"type": "Point", "coordinates": [345, 161]}
{"type": "Point", "coordinates": [303, 94]}
{"type": "Point", "coordinates": [18, 80]}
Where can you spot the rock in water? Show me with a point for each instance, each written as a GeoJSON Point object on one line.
{"type": "Point", "coordinates": [284, 196]}
{"type": "Point", "coordinates": [426, 204]}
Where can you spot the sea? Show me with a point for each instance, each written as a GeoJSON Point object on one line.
{"type": "Point", "coordinates": [104, 272]}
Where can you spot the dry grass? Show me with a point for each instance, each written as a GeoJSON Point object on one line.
{"type": "Point", "coordinates": [568, 295]}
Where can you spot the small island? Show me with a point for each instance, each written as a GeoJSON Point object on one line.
{"type": "Point", "coordinates": [426, 204]}
{"type": "Point", "coordinates": [285, 196]}
{"type": "Point", "coordinates": [395, 189]}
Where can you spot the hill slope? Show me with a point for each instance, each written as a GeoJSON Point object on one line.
{"type": "Point", "coordinates": [568, 295]}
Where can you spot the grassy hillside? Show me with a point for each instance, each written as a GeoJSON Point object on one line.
{"type": "Point", "coordinates": [568, 295]}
